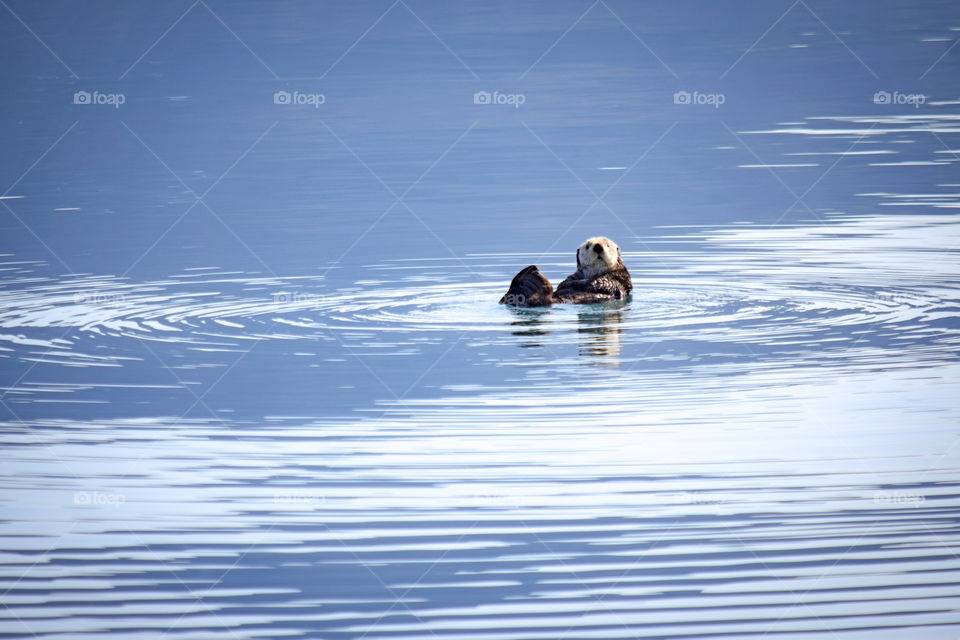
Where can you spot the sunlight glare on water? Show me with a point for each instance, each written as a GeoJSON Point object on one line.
{"type": "Point", "coordinates": [255, 381]}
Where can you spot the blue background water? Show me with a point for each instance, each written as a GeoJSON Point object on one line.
{"type": "Point", "coordinates": [253, 376]}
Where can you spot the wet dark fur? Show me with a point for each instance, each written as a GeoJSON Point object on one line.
{"type": "Point", "coordinates": [530, 288]}
{"type": "Point", "coordinates": [612, 285]}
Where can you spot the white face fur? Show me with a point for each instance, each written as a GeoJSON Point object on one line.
{"type": "Point", "coordinates": [597, 256]}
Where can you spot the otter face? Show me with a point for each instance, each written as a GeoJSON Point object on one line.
{"type": "Point", "coordinates": [597, 256]}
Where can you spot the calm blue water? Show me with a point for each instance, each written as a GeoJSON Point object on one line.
{"type": "Point", "coordinates": [254, 382]}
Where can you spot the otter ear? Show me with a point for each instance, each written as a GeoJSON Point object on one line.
{"type": "Point", "coordinates": [578, 258]}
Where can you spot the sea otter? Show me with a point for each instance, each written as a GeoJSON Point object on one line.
{"type": "Point", "coordinates": [600, 276]}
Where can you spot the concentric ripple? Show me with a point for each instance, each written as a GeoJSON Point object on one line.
{"type": "Point", "coordinates": [763, 289]}
{"type": "Point", "coordinates": [769, 447]}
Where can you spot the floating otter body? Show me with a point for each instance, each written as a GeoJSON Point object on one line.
{"type": "Point", "coordinates": [600, 276]}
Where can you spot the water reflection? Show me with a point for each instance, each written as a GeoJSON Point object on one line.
{"type": "Point", "coordinates": [530, 324]}
{"type": "Point", "coordinates": [663, 481]}
{"type": "Point", "coordinates": [380, 459]}
{"type": "Point", "coordinates": [599, 329]}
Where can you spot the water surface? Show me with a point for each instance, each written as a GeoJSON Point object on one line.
{"type": "Point", "coordinates": [255, 382]}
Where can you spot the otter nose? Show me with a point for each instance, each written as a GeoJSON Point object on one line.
{"type": "Point", "coordinates": [598, 249]}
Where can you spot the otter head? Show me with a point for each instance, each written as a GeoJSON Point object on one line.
{"type": "Point", "coordinates": [597, 256]}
